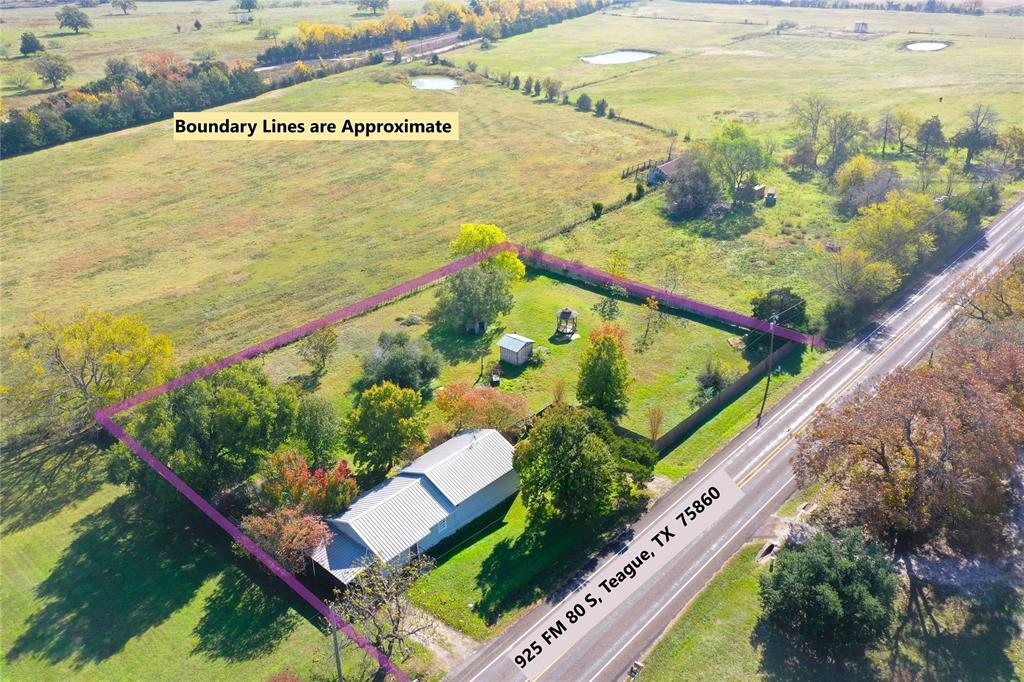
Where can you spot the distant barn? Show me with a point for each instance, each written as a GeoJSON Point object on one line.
{"type": "Point", "coordinates": [660, 174]}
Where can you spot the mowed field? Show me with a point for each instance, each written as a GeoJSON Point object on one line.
{"type": "Point", "coordinates": [721, 63]}
{"type": "Point", "coordinates": [224, 244]}
{"type": "Point", "coordinates": [153, 27]}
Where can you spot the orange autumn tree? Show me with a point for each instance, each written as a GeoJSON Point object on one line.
{"type": "Point", "coordinates": [288, 534]}
{"type": "Point", "coordinates": [481, 407]}
{"type": "Point", "coordinates": [289, 482]}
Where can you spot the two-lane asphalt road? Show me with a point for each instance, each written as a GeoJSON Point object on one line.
{"type": "Point", "coordinates": [758, 460]}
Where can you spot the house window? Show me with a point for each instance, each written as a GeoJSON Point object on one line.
{"type": "Point", "coordinates": [441, 525]}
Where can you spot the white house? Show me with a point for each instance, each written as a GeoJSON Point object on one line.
{"type": "Point", "coordinates": [515, 349]}
{"type": "Point", "coordinates": [422, 504]}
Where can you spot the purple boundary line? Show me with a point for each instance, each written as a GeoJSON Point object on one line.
{"type": "Point", "coordinates": [105, 415]}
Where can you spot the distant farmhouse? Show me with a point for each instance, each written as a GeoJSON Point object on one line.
{"type": "Point", "coordinates": [422, 504]}
{"type": "Point", "coordinates": [660, 174]}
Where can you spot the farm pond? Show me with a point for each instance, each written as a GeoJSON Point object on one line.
{"type": "Point", "coordinates": [434, 83]}
{"type": "Point", "coordinates": [619, 57]}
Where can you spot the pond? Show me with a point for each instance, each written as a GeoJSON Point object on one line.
{"type": "Point", "coordinates": [434, 83]}
{"type": "Point", "coordinates": [619, 57]}
{"type": "Point", "coordinates": [926, 47]}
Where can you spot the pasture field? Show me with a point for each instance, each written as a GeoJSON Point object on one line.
{"type": "Point", "coordinates": [664, 373]}
{"type": "Point", "coordinates": [717, 636]}
{"type": "Point", "coordinates": [153, 27]}
{"type": "Point", "coordinates": [718, 63]}
{"type": "Point", "coordinates": [225, 244]}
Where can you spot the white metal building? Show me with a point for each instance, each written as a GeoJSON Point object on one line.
{"type": "Point", "coordinates": [422, 504]}
{"type": "Point", "coordinates": [515, 349]}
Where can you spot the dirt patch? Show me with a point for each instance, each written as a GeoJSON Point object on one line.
{"type": "Point", "coordinates": [660, 485]}
{"type": "Point", "coordinates": [449, 645]}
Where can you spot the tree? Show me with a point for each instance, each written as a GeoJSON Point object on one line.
{"type": "Point", "coordinates": [205, 55]}
{"type": "Point", "coordinates": [809, 115]}
{"type": "Point", "coordinates": [474, 237]}
{"type": "Point", "coordinates": [844, 132]}
{"type": "Point", "coordinates": [119, 70]}
{"type": "Point", "coordinates": [482, 407]}
{"type": "Point", "coordinates": [996, 299]}
{"type": "Point", "coordinates": [129, 5]}
{"type": "Point", "coordinates": [72, 17]}
{"type": "Point", "coordinates": [979, 134]}
{"type": "Point", "coordinates": [409, 363]}
{"type": "Point", "coordinates": [854, 278]}
{"type": "Point", "coordinates": [565, 469]}
{"type": "Point", "coordinates": [53, 69]}
{"type": "Point", "coordinates": [790, 307]}
{"type": "Point", "coordinates": [372, 5]}
{"type": "Point", "coordinates": [528, 86]}
{"type": "Point", "coordinates": [59, 372]}
{"type": "Point", "coordinates": [902, 230]}
{"type": "Point", "coordinates": [1011, 142]}
{"type": "Point", "coordinates": [604, 372]}
{"type": "Point", "coordinates": [552, 88]}
{"type": "Point", "coordinates": [691, 190]}
{"type": "Point", "coordinates": [832, 596]}
{"type": "Point", "coordinates": [289, 482]}
{"type": "Point", "coordinates": [904, 126]}
{"type": "Point", "coordinates": [862, 182]}
{"type": "Point", "coordinates": [515, 83]}
{"type": "Point", "coordinates": [30, 44]}
{"type": "Point", "coordinates": [473, 296]}
{"type": "Point", "coordinates": [197, 25]}
{"type": "Point", "coordinates": [377, 603]}
{"type": "Point", "coordinates": [250, 5]}
{"type": "Point", "coordinates": [317, 348]}
{"type": "Point", "coordinates": [930, 137]}
{"type": "Point", "coordinates": [288, 535]}
{"type": "Point", "coordinates": [736, 157]}
{"type": "Point", "coordinates": [601, 107]}
{"type": "Point", "coordinates": [213, 432]}
{"type": "Point", "coordinates": [884, 130]}
{"type": "Point", "coordinates": [319, 424]}
{"type": "Point", "coordinates": [382, 427]}
{"type": "Point", "coordinates": [165, 65]}
{"type": "Point", "coordinates": [928, 454]}
{"type": "Point", "coordinates": [583, 102]}
{"type": "Point", "coordinates": [20, 132]}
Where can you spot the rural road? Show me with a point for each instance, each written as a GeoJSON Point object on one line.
{"type": "Point", "coordinates": [758, 460]}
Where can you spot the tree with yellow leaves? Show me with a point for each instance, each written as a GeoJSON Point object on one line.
{"type": "Point", "coordinates": [475, 237]}
{"type": "Point", "coordinates": [59, 372]}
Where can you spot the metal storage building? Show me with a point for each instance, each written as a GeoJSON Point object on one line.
{"type": "Point", "coordinates": [515, 349]}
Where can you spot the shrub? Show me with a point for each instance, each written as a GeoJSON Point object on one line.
{"type": "Point", "coordinates": [601, 107]}
{"type": "Point", "coordinates": [597, 209]}
{"type": "Point", "coordinates": [583, 102]}
{"type": "Point", "coordinates": [692, 190]}
{"type": "Point", "coordinates": [409, 363]}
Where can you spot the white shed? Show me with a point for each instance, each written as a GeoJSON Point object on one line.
{"type": "Point", "coordinates": [515, 349]}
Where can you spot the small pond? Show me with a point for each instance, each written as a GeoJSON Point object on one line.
{"type": "Point", "coordinates": [619, 57]}
{"type": "Point", "coordinates": [434, 83]}
{"type": "Point", "coordinates": [926, 47]}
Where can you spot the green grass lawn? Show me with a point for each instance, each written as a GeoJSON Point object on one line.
{"type": "Point", "coordinates": [714, 66]}
{"type": "Point", "coordinates": [717, 637]}
{"type": "Point", "coordinates": [153, 27]}
{"type": "Point", "coordinates": [664, 374]}
{"type": "Point", "coordinates": [224, 244]}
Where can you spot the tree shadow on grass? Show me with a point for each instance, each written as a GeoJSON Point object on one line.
{"type": "Point", "coordinates": [783, 661]}
{"type": "Point", "coordinates": [245, 617]}
{"type": "Point", "coordinates": [726, 225]}
{"type": "Point", "coordinates": [457, 347]}
{"type": "Point", "coordinates": [973, 648]}
{"type": "Point", "coordinates": [42, 478]}
{"type": "Point", "coordinates": [122, 575]}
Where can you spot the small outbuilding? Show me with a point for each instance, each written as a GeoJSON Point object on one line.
{"type": "Point", "coordinates": [769, 197]}
{"type": "Point", "coordinates": [860, 27]}
{"type": "Point", "coordinates": [515, 349]}
{"type": "Point", "coordinates": [660, 174]}
{"type": "Point", "coordinates": [565, 322]}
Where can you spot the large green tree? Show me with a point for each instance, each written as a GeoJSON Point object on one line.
{"type": "Point", "coordinates": [53, 69]}
{"type": "Point", "coordinates": [213, 433]}
{"type": "Point", "coordinates": [473, 296]}
{"type": "Point", "coordinates": [319, 424]}
{"type": "Point", "coordinates": [834, 597]}
{"type": "Point", "coordinates": [74, 18]}
{"type": "Point", "coordinates": [692, 190]}
{"type": "Point", "coordinates": [59, 372]}
{"type": "Point", "coordinates": [979, 134]}
{"type": "Point", "coordinates": [736, 158]}
{"type": "Point", "coordinates": [604, 372]}
{"type": "Point", "coordinates": [402, 360]}
{"type": "Point", "coordinates": [382, 427]}
{"type": "Point", "coordinates": [565, 469]}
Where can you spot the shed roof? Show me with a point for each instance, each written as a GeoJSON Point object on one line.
{"type": "Point", "coordinates": [393, 516]}
{"type": "Point", "coordinates": [670, 166]}
{"type": "Point", "coordinates": [514, 343]}
{"type": "Point", "coordinates": [466, 464]}
{"type": "Point", "coordinates": [341, 556]}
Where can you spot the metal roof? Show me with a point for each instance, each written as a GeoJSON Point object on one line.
{"type": "Point", "coordinates": [514, 343]}
{"type": "Point", "coordinates": [341, 556]}
{"type": "Point", "coordinates": [465, 464]}
{"type": "Point", "coordinates": [393, 516]}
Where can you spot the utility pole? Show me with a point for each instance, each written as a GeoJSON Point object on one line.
{"type": "Point", "coordinates": [771, 351]}
{"type": "Point", "coordinates": [337, 652]}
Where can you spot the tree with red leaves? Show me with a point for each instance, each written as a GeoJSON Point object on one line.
{"type": "Point", "coordinates": [289, 482]}
{"type": "Point", "coordinates": [288, 534]}
{"type": "Point", "coordinates": [482, 407]}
